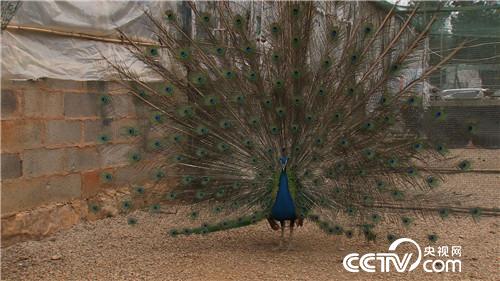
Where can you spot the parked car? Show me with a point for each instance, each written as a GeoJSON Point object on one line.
{"type": "Point", "coordinates": [495, 95]}
{"type": "Point", "coordinates": [460, 94]}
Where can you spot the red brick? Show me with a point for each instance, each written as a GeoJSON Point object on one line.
{"type": "Point", "coordinates": [92, 183]}
{"type": "Point", "coordinates": [18, 135]}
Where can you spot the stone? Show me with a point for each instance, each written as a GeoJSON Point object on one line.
{"type": "Point", "coordinates": [92, 183]}
{"type": "Point", "coordinates": [65, 85]}
{"type": "Point", "coordinates": [119, 129]}
{"type": "Point", "coordinates": [81, 105]}
{"type": "Point", "coordinates": [11, 166]}
{"type": "Point", "coordinates": [9, 103]}
{"type": "Point", "coordinates": [23, 194]}
{"type": "Point", "coordinates": [96, 86]}
{"type": "Point", "coordinates": [82, 159]}
{"type": "Point", "coordinates": [41, 222]}
{"type": "Point", "coordinates": [123, 106]}
{"type": "Point", "coordinates": [40, 103]}
{"type": "Point", "coordinates": [132, 173]}
{"type": "Point", "coordinates": [18, 135]}
{"type": "Point", "coordinates": [43, 161]}
{"type": "Point", "coordinates": [63, 132]}
{"type": "Point", "coordinates": [115, 155]}
{"type": "Point", "coordinates": [93, 129]}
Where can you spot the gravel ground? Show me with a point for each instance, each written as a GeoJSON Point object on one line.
{"type": "Point", "coordinates": [110, 249]}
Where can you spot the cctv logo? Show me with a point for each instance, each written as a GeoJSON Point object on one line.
{"type": "Point", "coordinates": [385, 261]}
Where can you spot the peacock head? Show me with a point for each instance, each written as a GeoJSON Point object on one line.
{"type": "Point", "coordinates": [283, 159]}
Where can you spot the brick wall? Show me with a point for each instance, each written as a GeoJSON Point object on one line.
{"type": "Point", "coordinates": [51, 156]}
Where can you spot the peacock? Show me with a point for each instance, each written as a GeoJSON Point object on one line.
{"type": "Point", "coordinates": [297, 113]}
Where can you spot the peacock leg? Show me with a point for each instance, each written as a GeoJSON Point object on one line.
{"type": "Point", "coordinates": [292, 224]}
{"type": "Point", "coordinates": [282, 239]}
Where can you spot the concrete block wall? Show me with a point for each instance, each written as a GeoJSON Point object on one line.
{"type": "Point", "coordinates": [50, 150]}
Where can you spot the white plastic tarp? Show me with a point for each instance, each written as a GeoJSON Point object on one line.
{"type": "Point", "coordinates": [33, 55]}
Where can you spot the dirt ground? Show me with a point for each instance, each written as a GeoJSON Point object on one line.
{"type": "Point", "coordinates": [110, 249]}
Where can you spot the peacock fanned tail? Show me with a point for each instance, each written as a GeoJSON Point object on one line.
{"type": "Point", "coordinates": [307, 77]}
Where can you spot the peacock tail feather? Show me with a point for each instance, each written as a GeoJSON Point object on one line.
{"type": "Point", "coordinates": [308, 77]}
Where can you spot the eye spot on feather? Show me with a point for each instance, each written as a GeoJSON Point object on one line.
{"type": "Point", "coordinates": [252, 76]}
{"type": "Point", "coordinates": [184, 54]}
{"type": "Point", "coordinates": [391, 237]}
{"type": "Point", "coordinates": [135, 157]}
{"type": "Point", "coordinates": [220, 51]}
{"type": "Point", "coordinates": [432, 181]}
{"type": "Point", "coordinates": [417, 146]}
{"type": "Point", "coordinates": [104, 138]}
{"type": "Point", "coordinates": [155, 208]}
{"type": "Point", "coordinates": [464, 165]}
{"type": "Point", "coordinates": [344, 142]}
{"type": "Point", "coordinates": [274, 130]}
{"type": "Point", "coordinates": [238, 22]}
{"type": "Point", "coordinates": [351, 211]}
{"type": "Point", "coordinates": [432, 238]}
{"type": "Point", "coordinates": [132, 221]}
{"type": "Point", "coordinates": [126, 205]}
{"type": "Point", "coordinates": [326, 63]}
{"type": "Point", "coordinates": [194, 215]}
{"type": "Point", "coordinates": [173, 232]}
{"type": "Point", "coordinates": [248, 49]}
{"type": "Point", "coordinates": [131, 131]}
{"type": "Point", "coordinates": [368, 126]}
{"type": "Point", "coordinates": [406, 221]}
{"type": "Point", "coordinates": [392, 162]}
{"type": "Point", "coordinates": [171, 195]}
{"type": "Point", "coordinates": [205, 18]}
{"type": "Point", "coordinates": [159, 175]}
{"type": "Point", "coordinates": [334, 33]}
{"type": "Point", "coordinates": [354, 59]}
{"type": "Point", "coordinates": [106, 177]}
{"type": "Point", "coordinates": [139, 190]}
{"type": "Point", "coordinates": [380, 184]}
{"type": "Point", "coordinates": [411, 171]}
{"type": "Point", "coordinates": [444, 213]}
{"type": "Point", "coordinates": [105, 99]}
{"type": "Point", "coordinates": [94, 208]}
{"type": "Point", "coordinates": [169, 15]}
{"type": "Point", "coordinates": [475, 212]}
{"type": "Point", "coordinates": [441, 149]}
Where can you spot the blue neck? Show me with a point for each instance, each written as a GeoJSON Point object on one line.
{"type": "Point", "coordinates": [284, 207]}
